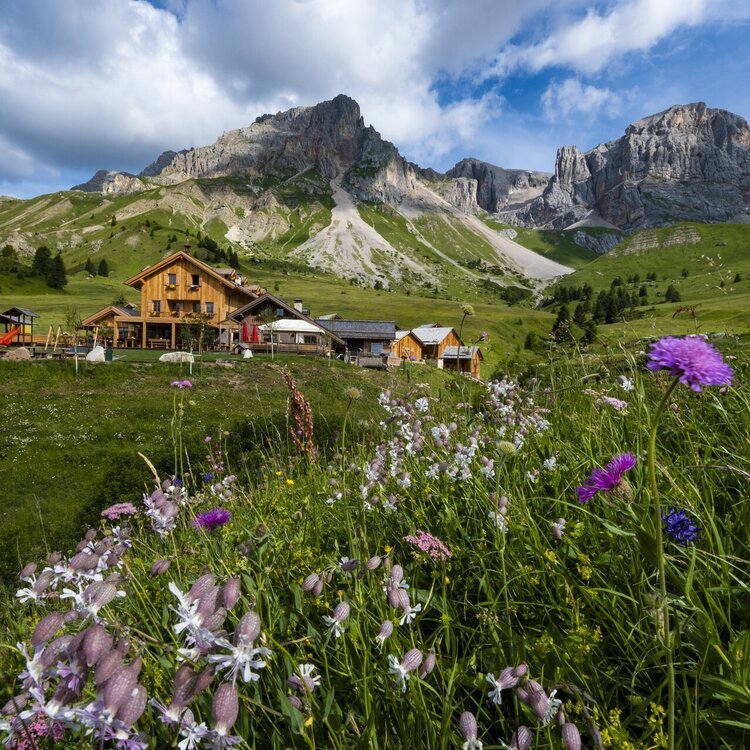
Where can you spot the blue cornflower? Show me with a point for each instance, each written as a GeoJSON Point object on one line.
{"type": "Point", "coordinates": [680, 526]}
{"type": "Point", "coordinates": [208, 477]}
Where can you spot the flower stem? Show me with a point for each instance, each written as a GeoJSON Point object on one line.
{"type": "Point", "coordinates": [663, 621]}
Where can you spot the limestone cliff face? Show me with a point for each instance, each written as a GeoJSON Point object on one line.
{"type": "Point", "coordinates": [688, 162]}
{"type": "Point", "coordinates": [330, 137]}
{"type": "Point", "coordinates": [112, 183]}
{"type": "Point", "coordinates": [499, 189]}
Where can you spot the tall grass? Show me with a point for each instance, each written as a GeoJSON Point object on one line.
{"type": "Point", "coordinates": [572, 608]}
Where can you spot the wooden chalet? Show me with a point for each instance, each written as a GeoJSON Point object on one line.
{"type": "Point", "coordinates": [367, 342]}
{"type": "Point", "coordinates": [180, 297]}
{"type": "Point", "coordinates": [465, 359]}
{"type": "Point", "coordinates": [434, 340]}
{"type": "Point", "coordinates": [270, 324]}
{"type": "Point", "coordinates": [407, 347]}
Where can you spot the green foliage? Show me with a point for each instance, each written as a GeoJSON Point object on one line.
{"type": "Point", "coordinates": [90, 268]}
{"type": "Point", "coordinates": [578, 608]}
{"type": "Point", "coordinates": [103, 268]}
{"type": "Point", "coordinates": [42, 262]}
{"type": "Point", "coordinates": [57, 277]}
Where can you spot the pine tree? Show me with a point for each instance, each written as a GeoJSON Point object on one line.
{"type": "Point", "coordinates": [589, 333]}
{"type": "Point", "coordinates": [90, 268]}
{"type": "Point", "coordinates": [561, 326]}
{"type": "Point", "coordinates": [40, 266]}
{"type": "Point", "coordinates": [57, 276]}
{"type": "Point", "coordinates": [672, 295]}
{"type": "Point", "coordinates": [103, 269]}
{"type": "Point", "coordinates": [579, 315]}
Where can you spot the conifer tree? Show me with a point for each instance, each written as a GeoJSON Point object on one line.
{"type": "Point", "coordinates": [57, 276]}
{"type": "Point", "coordinates": [561, 326]}
{"type": "Point", "coordinates": [90, 268]}
{"type": "Point", "coordinates": [103, 269]}
{"type": "Point", "coordinates": [40, 266]}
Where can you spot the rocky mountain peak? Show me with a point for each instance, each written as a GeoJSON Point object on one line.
{"type": "Point", "coordinates": [687, 162]}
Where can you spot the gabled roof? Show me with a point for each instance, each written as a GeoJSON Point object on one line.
{"type": "Point", "coordinates": [467, 352]}
{"type": "Point", "coordinates": [137, 280]}
{"type": "Point", "coordinates": [108, 310]}
{"type": "Point", "coordinates": [246, 310]}
{"type": "Point", "coordinates": [431, 335]}
{"type": "Point", "coordinates": [18, 311]}
{"type": "Point", "coordinates": [361, 329]}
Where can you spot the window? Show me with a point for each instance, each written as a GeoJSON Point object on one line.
{"type": "Point", "coordinates": [376, 347]}
{"type": "Point", "coordinates": [310, 339]}
{"type": "Point", "coordinates": [209, 308]}
{"type": "Point", "coordinates": [178, 307]}
{"type": "Point", "coordinates": [157, 305]}
{"type": "Point", "coordinates": [196, 307]}
{"type": "Point", "coordinates": [172, 279]}
{"type": "Point", "coordinates": [195, 279]}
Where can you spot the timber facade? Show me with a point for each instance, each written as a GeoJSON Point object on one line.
{"type": "Point", "coordinates": [183, 302]}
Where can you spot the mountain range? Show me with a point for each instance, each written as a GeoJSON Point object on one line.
{"type": "Point", "coordinates": [317, 187]}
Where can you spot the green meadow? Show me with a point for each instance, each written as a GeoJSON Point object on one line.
{"type": "Point", "coordinates": [415, 571]}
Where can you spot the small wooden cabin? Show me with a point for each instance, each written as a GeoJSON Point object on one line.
{"type": "Point", "coordinates": [407, 347]}
{"type": "Point", "coordinates": [434, 341]}
{"type": "Point", "coordinates": [466, 359]}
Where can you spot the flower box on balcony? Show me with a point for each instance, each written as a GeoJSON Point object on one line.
{"type": "Point", "coordinates": [171, 287]}
{"type": "Point", "coordinates": [155, 314]}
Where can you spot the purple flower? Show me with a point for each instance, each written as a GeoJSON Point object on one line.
{"type": "Point", "coordinates": [181, 384]}
{"type": "Point", "coordinates": [693, 359]}
{"type": "Point", "coordinates": [679, 525]}
{"type": "Point", "coordinates": [212, 519]}
{"type": "Point", "coordinates": [606, 479]}
{"type": "Point", "coordinates": [119, 509]}
{"type": "Point", "coordinates": [429, 544]}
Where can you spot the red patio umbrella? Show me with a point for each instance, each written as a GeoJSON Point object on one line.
{"type": "Point", "coordinates": [255, 336]}
{"type": "Point", "coordinates": [244, 336]}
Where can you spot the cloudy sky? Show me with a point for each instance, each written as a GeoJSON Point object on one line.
{"type": "Point", "coordinates": [92, 84]}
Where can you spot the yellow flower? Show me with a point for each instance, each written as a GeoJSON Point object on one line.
{"type": "Point", "coordinates": [290, 482]}
{"type": "Point", "coordinates": [388, 549]}
{"type": "Point", "coordinates": [279, 473]}
{"type": "Point", "coordinates": [309, 721]}
{"type": "Point", "coordinates": [446, 580]}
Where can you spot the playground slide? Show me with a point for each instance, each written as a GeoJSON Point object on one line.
{"type": "Point", "coordinates": [6, 338]}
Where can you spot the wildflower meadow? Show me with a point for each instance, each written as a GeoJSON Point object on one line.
{"type": "Point", "coordinates": [558, 561]}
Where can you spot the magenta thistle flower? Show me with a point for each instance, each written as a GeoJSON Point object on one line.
{"type": "Point", "coordinates": [693, 359]}
{"type": "Point", "coordinates": [212, 519]}
{"type": "Point", "coordinates": [606, 479]}
{"type": "Point", "coordinates": [181, 384]}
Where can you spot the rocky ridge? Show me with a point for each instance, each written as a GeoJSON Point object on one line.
{"type": "Point", "coordinates": [689, 162]}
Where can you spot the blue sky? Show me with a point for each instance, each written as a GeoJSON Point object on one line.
{"type": "Point", "coordinates": [113, 83]}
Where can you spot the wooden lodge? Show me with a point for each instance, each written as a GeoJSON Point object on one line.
{"type": "Point", "coordinates": [182, 299]}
